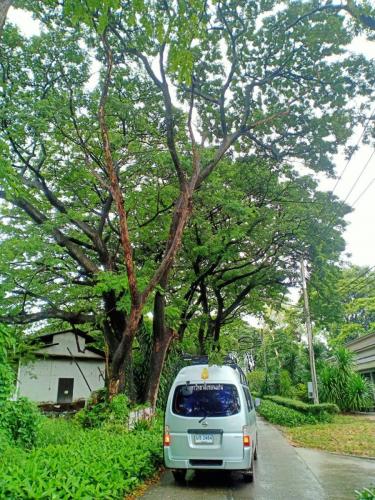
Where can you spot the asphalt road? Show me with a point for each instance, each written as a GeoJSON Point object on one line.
{"type": "Point", "coordinates": [281, 473]}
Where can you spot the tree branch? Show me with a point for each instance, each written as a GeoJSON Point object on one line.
{"type": "Point", "coordinates": [114, 181]}
{"type": "Point", "coordinates": [73, 318]}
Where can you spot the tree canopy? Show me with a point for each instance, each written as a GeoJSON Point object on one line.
{"type": "Point", "coordinates": [106, 176]}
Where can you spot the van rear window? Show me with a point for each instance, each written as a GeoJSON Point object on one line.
{"type": "Point", "coordinates": [206, 400]}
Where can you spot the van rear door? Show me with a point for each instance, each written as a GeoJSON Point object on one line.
{"type": "Point", "coordinates": [206, 423]}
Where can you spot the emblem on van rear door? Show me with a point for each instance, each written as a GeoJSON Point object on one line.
{"type": "Point", "coordinates": [204, 423]}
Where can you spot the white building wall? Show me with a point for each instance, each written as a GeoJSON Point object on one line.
{"type": "Point", "coordinates": [39, 380]}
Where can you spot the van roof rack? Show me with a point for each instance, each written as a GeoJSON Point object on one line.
{"type": "Point", "coordinates": [197, 359]}
{"type": "Point", "coordinates": [229, 360]}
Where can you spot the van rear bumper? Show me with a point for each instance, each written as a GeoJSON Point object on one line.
{"type": "Point", "coordinates": [209, 463]}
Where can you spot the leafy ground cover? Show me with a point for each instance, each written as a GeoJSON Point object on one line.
{"type": "Point", "coordinates": [349, 435]}
{"type": "Point", "coordinates": [366, 494]}
{"type": "Point", "coordinates": [74, 463]}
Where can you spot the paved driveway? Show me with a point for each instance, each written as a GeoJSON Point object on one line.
{"type": "Point", "coordinates": [281, 473]}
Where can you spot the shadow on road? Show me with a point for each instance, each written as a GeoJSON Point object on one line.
{"type": "Point", "coordinates": [214, 479]}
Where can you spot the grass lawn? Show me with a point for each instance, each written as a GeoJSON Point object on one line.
{"type": "Point", "coordinates": [349, 435]}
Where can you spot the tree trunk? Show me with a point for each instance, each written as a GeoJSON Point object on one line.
{"type": "Point", "coordinates": [4, 7]}
{"type": "Point", "coordinates": [162, 337]}
{"type": "Point", "coordinates": [121, 376]}
{"type": "Point", "coordinates": [201, 340]}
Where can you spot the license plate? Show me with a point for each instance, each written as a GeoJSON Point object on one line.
{"type": "Point", "coordinates": [204, 438]}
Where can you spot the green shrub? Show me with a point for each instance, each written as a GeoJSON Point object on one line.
{"type": "Point", "coordinates": [5, 440]}
{"type": "Point", "coordinates": [20, 421]}
{"type": "Point", "coordinates": [92, 416]}
{"type": "Point", "coordinates": [7, 373]}
{"type": "Point", "coordinates": [360, 393]}
{"type": "Point", "coordinates": [94, 464]}
{"type": "Point", "coordinates": [281, 415]}
{"type": "Point", "coordinates": [118, 409]}
{"type": "Point", "coordinates": [340, 384]}
{"type": "Point", "coordinates": [286, 387]}
{"type": "Point", "coordinates": [256, 380]}
{"type": "Point", "coordinates": [58, 431]}
{"type": "Point", "coordinates": [366, 494]}
{"type": "Point", "coordinates": [310, 409]}
{"type": "Point", "coordinates": [99, 412]}
{"type": "Point", "coordinates": [300, 392]}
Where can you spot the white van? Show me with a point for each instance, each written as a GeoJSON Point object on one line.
{"type": "Point", "coordinates": [210, 421]}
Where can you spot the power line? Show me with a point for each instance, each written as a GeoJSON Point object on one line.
{"type": "Point", "coordinates": [363, 192]}
{"type": "Point", "coordinates": [344, 288]}
{"type": "Point", "coordinates": [360, 175]}
{"type": "Point", "coordinates": [355, 147]}
{"type": "Point", "coordinates": [364, 285]}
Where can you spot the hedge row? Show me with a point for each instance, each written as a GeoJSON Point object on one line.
{"type": "Point", "coordinates": [80, 464]}
{"type": "Point", "coordinates": [282, 415]}
{"type": "Point", "coordinates": [306, 408]}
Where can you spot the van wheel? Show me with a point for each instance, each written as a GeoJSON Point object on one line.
{"type": "Point", "coordinates": [179, 475]}
{"type": "Point", "coordinates": [248, 476]}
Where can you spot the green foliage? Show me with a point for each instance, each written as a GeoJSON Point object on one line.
{"type": "Point", "coordinates": [360, 395]}
{"type": "Point", "coordinates": [300, 392]}
{"type": "Point", "coordinates": [20, 421]}
{"type": "Point", "coordinates": [59, 431]}
{"type": "Point", "coordinates": [100, 412]}
{"type": "Point", "coordinates": [256, 380]}
{"type": "Point", "coordinates": [286, 97]}
{"type": "Point", "coordinates": [286, 388]}
{"type": "Point", "coordinates": [82, 463]}
{"type": "Point", "coordinates": [353, 289]}
{"type": "Point", "coordinates": [172, 366]}
{"type": "Point", "coordinates": [366, 494]}
{"type": "Point", "coordinates": [7, 374]}
{"type": "Point", "coordinates": [142, 425]}
{"type": "Point", "coordinates": [318, 410]}
{"type": "Point", "coordinates": [340, 384]}
{"type": "Point", "coordinates": [5, 440]}
{"type": "Point", "coordinates": [281, 415]}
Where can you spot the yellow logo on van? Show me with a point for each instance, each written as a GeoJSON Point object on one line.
{"type": "Point", "coordinates": [204, 374]}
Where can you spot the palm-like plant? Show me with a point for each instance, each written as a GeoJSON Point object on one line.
{"type": "Point", "coordinates": [340, 384]}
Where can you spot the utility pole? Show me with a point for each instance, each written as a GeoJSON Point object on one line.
{"type": "Point", "coordinates": [309, 334]}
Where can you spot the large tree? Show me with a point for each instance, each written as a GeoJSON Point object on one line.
{"type": "Point", "coordinates": [244, 248]}
{"type": "Point", "coordinates": [345, 306]}
{"type": "Point", "coordinates": [182, 84]}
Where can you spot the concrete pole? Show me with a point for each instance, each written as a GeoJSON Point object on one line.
{"type": "Point", "coordinates": [309, 334]}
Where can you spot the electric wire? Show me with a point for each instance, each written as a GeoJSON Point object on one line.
{"type": "Point", "coordinates": [363, 192]}
{"type": "Point", "coordinates": [372, 115]}
{"type": "Point", "coordinates": [357, 278]}
{"type": "Point", "coordinates": [365, 285]}
{"type": "Point", "coordinates": [360, 175]}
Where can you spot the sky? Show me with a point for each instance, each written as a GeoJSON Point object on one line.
{"type": "Point", "coordinates": [360, 233]}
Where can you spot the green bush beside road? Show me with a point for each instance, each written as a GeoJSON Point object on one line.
{"type": "Point", "coordinates": [283, 411]}
{"type": "Point", "coordinates": [306, 408]}
{"type": "Point", "coordinates": [71, 462]}
{"type": "Point", "coordinates": [19, 423]}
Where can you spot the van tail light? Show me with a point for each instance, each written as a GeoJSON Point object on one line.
{"type": "Point", "coordinates": [167, 436]}
{"type": "Point", "coordinates": [246, 436]}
